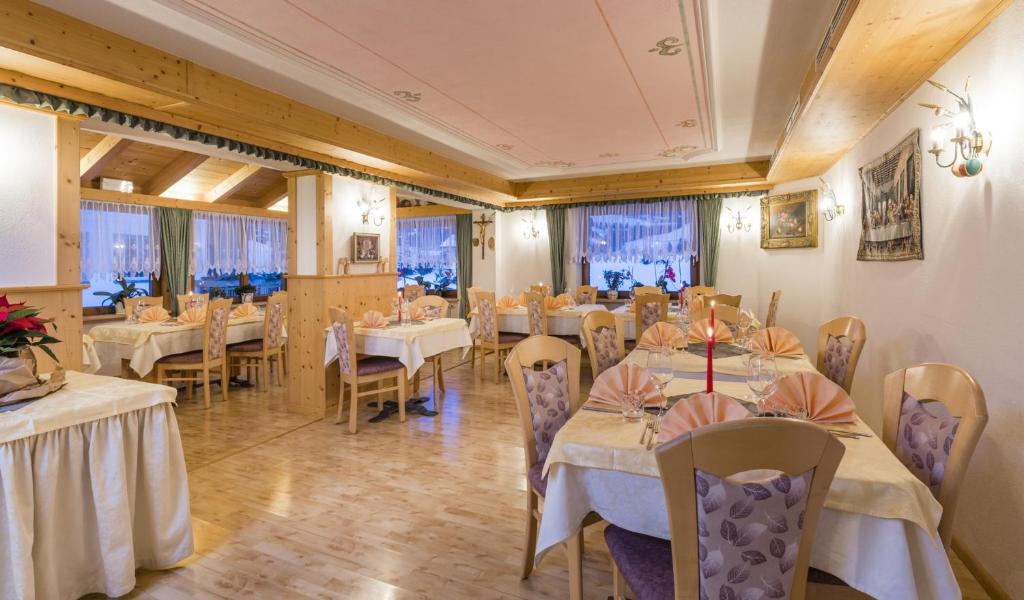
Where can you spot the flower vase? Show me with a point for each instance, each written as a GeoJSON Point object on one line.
{"type": "Point", "coordinates": [613, 294]}
{"type": "Point", "coordinates": [119, 308]}
{"type": "Point", "coordinates": [247, 298]}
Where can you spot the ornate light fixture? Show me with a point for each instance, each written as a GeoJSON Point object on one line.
{"type": "Point", "coordinates": [830, 207]}
{"type": "Point", "coordinates": [530, 230]}
{"type": "Point", "coordinates": [738, 225]}
{"type": "Point", "coordinates": [370, 212]}
{"type": "Point", "coordinates": [969, 144]}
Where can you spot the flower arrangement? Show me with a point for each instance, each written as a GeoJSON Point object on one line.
{"type": "Point", "coordinates": [21, 328]}
{"type": "Point", "coordinates": [614, 279]}
{"type": "Point", "coordinates": [128, 290]}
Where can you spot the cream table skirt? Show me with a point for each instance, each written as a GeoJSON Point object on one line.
{"type": "Point", "coordinates": [410, 344]}
{"type": "Point", "coordinates": [92, 487]}
{"type": "Point", "coordinates": [566, 321]}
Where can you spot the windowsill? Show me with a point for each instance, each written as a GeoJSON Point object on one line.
{"type": "Point", "coordinates": [103, 317]}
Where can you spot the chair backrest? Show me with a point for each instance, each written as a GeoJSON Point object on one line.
{"type": "Point", "coordinates": [605, 340]}
{"type": "Point", "coordinates": [273, 321]}
{"type": "Point", "coordinates": [412, 292]}
{"type": "Point", "coordinates": [215, 330]}
{"type": "Point", "coordinates": [471, 296]}
{"type": "Point", "coordinates": [488, 315]}
{"type": "Point", "coordinates": [433, 302]}
{"type": "Point", "coordinates": [536, 313]}
{"type": "Point", "coordinates": [648, 310]}
{"type": "Point", "coordinates": [343, 330]}
{"type": "Point", "coordinates": [698, 290]}
{"type": "Point", "coordinates": [768, 525]}
{"type": "Point", "coordinates": [933, 418]}
{"type": "Point", "coordinates": [725, 313]}
{"type": "Point", "coordinates": [646, 290]}
{"type": "Point", "coordinates": [840, 342]}
{"type": "Point", "coordinates": [540, 288]}
{"type": "Point", "coordinates": [773, 309]}
{"type": "Point", "coordinates": [724, 300]}
{"type": "Point", "coordinates": [131, 303]}
{"type": "Point", "coordinates": [586, 294]}
{"type": "Point", "coordinates": [199, 299]}
{"type": "Point", "coordinates": [550, 397]}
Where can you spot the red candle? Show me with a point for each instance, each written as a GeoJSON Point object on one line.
{"type": "Point", "coordinates": [712, 314]}
{"type": "Point", "coordinates": [711, 354]}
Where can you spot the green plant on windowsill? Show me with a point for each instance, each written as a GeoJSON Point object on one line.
{"type": "Point", "coordinates": [116, 299]}
{"type": "Point", "coordinates": [217, 292]}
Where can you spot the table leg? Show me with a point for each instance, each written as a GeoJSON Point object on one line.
{"type": "Point", "coordinates": [574, 551]}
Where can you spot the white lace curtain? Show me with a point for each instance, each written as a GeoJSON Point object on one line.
{"type": "Point", "coordinates": [238, 244]}
{"type": "Point", "coordinates": [633, 232]}
{"type": "Point", "coordinates": [427, 241]}
{"type": "Point", "coordinates": [119, 239]}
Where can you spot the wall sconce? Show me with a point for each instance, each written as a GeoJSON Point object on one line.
{"type": "Point", "coordinates": [830, 207]}
{"type": "Point", "coordinates": [530, 230]}
{"type": "Point", "coordinates": [371, 214]}
{"type": "Point", "coordinates": [969, 144]}
{"type": "Point", "coordinates": [738, 225]}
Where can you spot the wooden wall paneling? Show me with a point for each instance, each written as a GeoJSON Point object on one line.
{"type": "Point", "coordinates": [307, 320]}
{"type": "Point", "coordinates": [178, 168]}
{"type": "Point", "coordinates": [63, 304]}
{"type": "Point", "coordinates": [324, 224]}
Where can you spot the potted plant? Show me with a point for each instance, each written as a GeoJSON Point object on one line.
{"type": "Point", "coordinates": [613, 279]}
{"type": "Point", "coordinates": [217, 292]}
{"type": "Point", "coordinates": [246, 293]}
{"type": "Point", "coordinates": [21, 329]}
{"type": "Point", "coordinates": [116, 299]}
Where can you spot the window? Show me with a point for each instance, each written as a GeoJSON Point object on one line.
{"type": "Point", "coordinates": [117, 240]}
{"type": "Point", "coordinates": [233, 250]}
{"type": "Point", "coordinates": [427, 253]}
{"type": "Point", "coordinates": [636, 244]}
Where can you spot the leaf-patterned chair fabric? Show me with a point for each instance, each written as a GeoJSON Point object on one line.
{"type": "Point", "coordinates": [925, 437]}
{"type": "Point", "coordinates": [606, 348]}
{"type": "Point", "coordinates": [535, 316]}
{"type": "Point", "coordinates": [650, 313]}
{"type": "Point", "coordinates": [218, 332]}
{"type": "Point", "coordinates": [488, 320]}
{"type": "Point", "coordinates": [275, 327]}
{"type": "Point", "coordinates": [340, 332]}
{"type": "Point", "coordinates": [837, 357]}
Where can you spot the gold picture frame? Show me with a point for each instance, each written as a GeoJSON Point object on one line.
{"type": "Point", "coordinates": [365, 247]}
{"type": "Point", "coordinates": [790, 220]}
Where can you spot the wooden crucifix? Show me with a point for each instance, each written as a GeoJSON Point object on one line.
{"type": "Point", "coordinates": [482, 240]}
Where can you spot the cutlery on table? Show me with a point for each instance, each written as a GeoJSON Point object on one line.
{"type": "Point", "coordinates": [655, 429]}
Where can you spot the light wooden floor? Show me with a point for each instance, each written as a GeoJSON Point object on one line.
{"type": "Point", "coordinates": [287, 507]}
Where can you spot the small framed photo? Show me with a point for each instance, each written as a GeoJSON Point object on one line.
{"type": "Point", "coordinates": [790, 220]}
{"type": "Point", "coordinates": [365, 247]}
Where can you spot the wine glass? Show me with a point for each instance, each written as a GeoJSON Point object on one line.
{"type": "Point", "coordinates": [659, 363]}
{"type": "Point", "coordinates": [632, 405]}
{"type": "Point", "coordinates": [762, 379]}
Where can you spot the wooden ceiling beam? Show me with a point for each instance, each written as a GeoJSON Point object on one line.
{"type": "Point", "coordinates": [100, 156]}
{"type": "Point", "coordinates": [430, 210]}
{"type": "Point", "coordinates": [231, 183]}
{"type": "Point", "coordinates": [274, 194]}
{"type": "Point", "coordinates": [879, 54]}
{"type": "Point", "coordinates": [175, 171]}
{"type": "Point", "coordinates": [147, 200]}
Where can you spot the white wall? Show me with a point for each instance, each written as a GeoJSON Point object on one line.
{"type": "Point", "coordinates": [28, 197]}
{"type": "Point", "coordinates": [960, 305]}
{"type": "Point", "coordinates": [520, 261]}
{"type": "Point", "coordinates": [346, 215]}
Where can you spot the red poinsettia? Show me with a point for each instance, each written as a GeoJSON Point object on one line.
{"type": "Point", "coordinates": [21, 327]}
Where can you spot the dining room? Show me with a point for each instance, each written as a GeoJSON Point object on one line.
{"type": "Point", "coordinates": [585, 299]}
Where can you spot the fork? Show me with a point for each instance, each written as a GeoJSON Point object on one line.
{"type": "Point", "coordinates": [648, 422]}
{"type": "Point", "coordinates": [655, 429]}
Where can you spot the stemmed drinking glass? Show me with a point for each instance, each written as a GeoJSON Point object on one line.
{"type": "Point", "coordinates": [659, 363]}
{"type": "Point", "coordinates": [762, 379]}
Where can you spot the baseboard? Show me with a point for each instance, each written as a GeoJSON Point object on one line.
{"type": "Point", "coordinates": [979, 571]}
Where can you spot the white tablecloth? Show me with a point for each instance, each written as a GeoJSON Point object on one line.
{"type": "Point", "coordinates": [163, 343]}
{"type": "Point", "coordinates": [410, 344]}
{"type": "Point", "coordinates": [560, 322]}
{"type": "Point", "coordinates": [626, 318]}
{"type": "Point", "coordinates": [92, 487]}
{"type": "Point", "coordinates": [91, 362]}
{"type": "Point", "coordinates": [884, 557]}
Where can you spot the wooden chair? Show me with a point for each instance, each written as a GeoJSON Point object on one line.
{"type": "Point", "coordinates": [256, 355]}
{"type": "Point", "coordinates": [436, 366]}
{"type": "Point", "coordinates": [520, 365]}
{"type": "Point", "coordinates": [709, 456]}
{"type": "Point", "coordinates": [773, 309]}
{"type": "Point", "coordinates": [648, 309]}
{"type": "Point", "coordinates": [471, 296]}
{"type": "Point", "coordinates": [698, 290]}
{"type": "Point", "coordinates": [359, 371]}
{"type": "Point", "coordinates": [536, 313]}
{"type": "Point", "coordinates": [212, 356]}
{"type": "Point", "coordinates": [723, 300]}
{"type": "Point", "coordinates": [840, 342]}
{"type": "Point", "coordinates": [283, 294]}
{"type": "Point", "coordinates": [433, 302]}
{"type": "Point", "coordinates": [203, 299]}
{"type": "Point", "coordinates": [605, 341]}
{"type": "Point", "coordinates": [724, 312]}
{"type": "Point", "coordinates": [960, 395]}
{"type": "Point", "coordinates": [646, 290]}
{"type": "Point", "coordinates": [586, 294]}
{"type": "Point", "coordinates": [131, 303]}
{"type": "Point", "coordinates": [488, 339]}
{"type": "Point", "coordinates": [412, 292]}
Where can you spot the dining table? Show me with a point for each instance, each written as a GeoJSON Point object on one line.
{"type": "Point", "coordinates": [92, 487]}
{"type": "Point", "coordinates": [878, 531]}
{"type": "Point", "coordinates": [141, 345]}
{"type": "Point", "coordinates": [411, 343]}
{"type": "Point", "coordinates": [626, 318]}
{"type": "Point", "coordinates": [566, 321]}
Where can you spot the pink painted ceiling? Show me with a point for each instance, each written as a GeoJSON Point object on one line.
{"type": "Point", "coordinates": [560, 85]}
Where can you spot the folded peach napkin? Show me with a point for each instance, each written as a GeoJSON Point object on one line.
{"type": "Point", "coordinates": [373, 319]}
{"type": "Point", "coordinates": [614, 382]}
{"type": "Point", "coordinates": [154, 314]}
{"type": "Point", "coordinates": [521, 300]}
{"type": "Point", "coordinates": [699, 331]}
{"type": "Point", "coordinates": [244, 310]}
{"type": "Point", "coordinates": [553, 303]}
{"type": "Point", "coordinates": [776, 341]}
{"type": "Point", "coordinates": [662, 335]}
{"type": "Point", "coordinates": [567, 300]}
{"type": "Point", "coordinates": [699, 410]}
{"type": "Point", "coordinates": [416, 313]}
{"type": "Point", "coordinates": [193, 315]}
{"type": "Point", "coordinates": [823, 400]}
{"type": "Point", "coordinates": [507, 302]}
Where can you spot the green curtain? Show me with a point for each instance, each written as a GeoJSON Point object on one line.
{"type": "Point", "coordinates": [709, 211]}
{"type": "Point", "coordinates": [176, 249]}
{"type": "Point", "coordinates": [464, 247]}
{"type": "Point", "coordinates": [556, 239]}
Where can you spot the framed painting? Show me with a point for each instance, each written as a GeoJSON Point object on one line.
{"type": "Point", "coordinates": [891, 204]}
{"type": "Point", "coordinates": [365, 247]}
{"type": "Point", "coordinates": [790, 220]}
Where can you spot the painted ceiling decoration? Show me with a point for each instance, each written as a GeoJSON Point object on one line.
{"type": "Point", "coordinates": [592, 73]}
